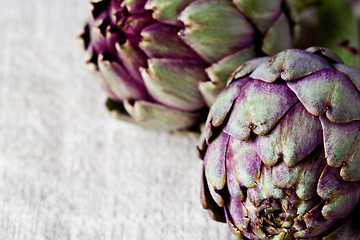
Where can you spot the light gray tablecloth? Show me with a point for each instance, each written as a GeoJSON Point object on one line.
{"type": "Point", "coordinates": [67, 169]}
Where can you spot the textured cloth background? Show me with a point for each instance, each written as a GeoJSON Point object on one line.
{"type": "Point", "coordinates": [67, 169]}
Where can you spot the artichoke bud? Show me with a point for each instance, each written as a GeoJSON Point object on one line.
{"type": "Point", "coordinates": [281, 148]}
{"type": "Point", "coordinates": [177, 55]}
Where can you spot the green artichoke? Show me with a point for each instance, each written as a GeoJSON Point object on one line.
{"type": "Point", "coordinates": [281, 148]}
{"type": "Point", "coordinates": [163, 61]}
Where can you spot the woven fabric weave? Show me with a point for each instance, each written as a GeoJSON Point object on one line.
{"type": "Point", "coordinates": [67, 169]}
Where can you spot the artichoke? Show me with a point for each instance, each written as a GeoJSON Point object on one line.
{"type": "Point", "coordinates": [163, 61]}
{"type": "Point", "coordinates": [281, 148]}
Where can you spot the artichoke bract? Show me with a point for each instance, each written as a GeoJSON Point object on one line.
{"type": "Point", "coordinates": [162, 62]}
{"type": "Point", "coordinates": [281, 148]}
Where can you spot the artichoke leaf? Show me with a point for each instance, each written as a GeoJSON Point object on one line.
{"type": "Point", "coordinates": [133, 6]}
{"type": "Point", "coordinates": [161, 41]}
{"type": "Point", "coordinates": [258, 108]}
{"type": "Point", "coordinates": [289, 140]}
{"type": "Point", "coordinates": [239, 214]}
{"type": "Point", "coordinates": [353, 73]}
{"type": "Point", "coordinates": [341, 196]}
{"type": "Point", "coordinates": [243, 162]}
{"type": "Point", "coordinates": [235, 190]}
{"type": "Point", "coordinates": [103, 82]}
{"type": "Point", "coordinates": [220, 72]}
{"type": "Point", "coordinates": [133, 25]}
{"type": "Point", "coordinates": [132, 59]}
{"type": "Point", "coordinates": [329, 91]}
{"type": "Point", "coordinates": [123, 87]}
{"type": "Point", "coordinates": [315, 222]}
{"type": "Point", "coordinates": [255, 220]}
{"type": "Point", "coordinates": [204, 138]}
{"type": "Point", "coordinates": [225, 101]}
{"type": "Point", "coordinates": [98, 41]}
{"type": "Point", "coordinates": [210, 90]}
{"type": "Point", "coordinates": [167, 11]}
{"type": "Point", "coordinates": [303, 177]}
{"type": "Point", "coordinates": [261, 12]}
{"type": "Point", "coordinates": [214, 162]}
{"type": "Point", "coordinates": [237, 234]}
{"type": "Point", "coordinates": [215, 29]}
{"type": "Point", "coordinates": [258, 231]}
{"type": "Point", "coordinates": [160, 117]}
{"type": "Point", "coordinates": [286, 65]}
{"type": "Point", "coordinates": [118, 110]}
{"type": "Point", "coordinates": [216, 196]}
{"type": "Point", "coordinates": [247, 67]}
{"type": "Point", "coordinates": [219, 111]}
{"type": "Point", "coordinates": [278, 37]}
{"type": "Point", "coordinates": [174, 83]}
{"type": "Point", "coordinates": [304, 208]}
{"type": "Point", "coordinates": [350, 230]}
{"type": "Point", "coordinates": [265, 189]}
{"type": "Point", "coordinates": [325, 52]}
{"type": "Point", "coordinates": [216, 212]}
{"type": "Point", "coordinates": [113, 38]}
{"type": "Point", "coordinates": [342, 144]}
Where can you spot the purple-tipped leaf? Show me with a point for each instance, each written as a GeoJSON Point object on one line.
{"type": "Point", "coordinates": [329, 91]}
{"type": "Point", "coordinates": [258, 108]}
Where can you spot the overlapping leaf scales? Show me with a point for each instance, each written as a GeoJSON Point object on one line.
{"type": "Point", "coordinates": [247, 67]}
{"type": "Point", "coordinates": [235, 230]}
{"type": "Point", "coordinates": [303, 177]}
{"type": "Point", "coordinates": [243, 162]}
{"type": "Point", "coordinates": [350, 230]}
{"type": "Point", "coordinates": [342, 144]}
{"type": "Point", "coordinates": [277, 37]}
{"type": "Point", "coordinates": [225, 101]}
{"type": "Point", "coordinates": [161, 41]}
{"type": "Point", "coordinates": [258, 108]}
{"type": "Point", "coordinates": [167, 11]}
{"type": "Point", "coordinates": [215, 28]}
{"type": "Point", "coordinates": [157, 116]}
{"type": "Point", "coordinates": [98, 41]}
{"type": "Point", "coordinates": [220, 72]}
{"type": "Point", "coordinates": [173, 82]}
{"type": "Point", "coordinates": [295, 136]}
{"type": "Point", "coordinates": [328, 91]}
{"type": "Point", "coordinates": [353, 73]}
{"type": "Point", "coordinates": [216, 212]}
{"type": "Point", "coordinates": [306, 116]}
{"type": "Point", "coordinates": [232, 182]}
{"type": "Point", "coordinates": [239, 214]}
{"type": "Point", "coordinates": [265, 189]}
{"type": "Point", "coordinates": [214, 163]}
{"type": "Point", "coordinates": [341, 196]}
{"type": "Point", "coordinates": [326, 53]}
{"type": "Point", "coordinates": [220, 110]}
{"type": "Point", "coordinates": [124, 87]}
{"type": "Point", "coordinates": [131, 58]}
{"type": "Point", "coordinates": [289, 65]}
{"type": "Point", "coordinates": [261, 12]}
{"type": "Point", "coordinates": [315, 222]}
{"type": "Point", "coordinates": [134, 6]}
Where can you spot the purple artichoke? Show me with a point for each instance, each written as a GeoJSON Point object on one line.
{"type": "Point", "coordinates": [163, 61]}
{"type": "Point", "coordinates": [281, 148]}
